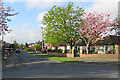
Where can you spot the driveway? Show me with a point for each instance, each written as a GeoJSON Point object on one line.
{"type": "Point", "coordinates": [24, 65]}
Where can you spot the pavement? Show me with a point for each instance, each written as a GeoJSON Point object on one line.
{"type": "Point", "coordinates": [97, 59]}
{"type": "Point", "coordinates": [24, 65]}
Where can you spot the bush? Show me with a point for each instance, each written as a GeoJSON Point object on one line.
{"type": "Point", "coordinates": [49, 50]}
{"type": "Point", "coordinates": [27, 49]}
{"type": "Point", "coordinates": [66, 51]}
{"type": "Point", "coordinates": [75, 50]}
{"type": "Point", "coordinates": [44, 51]}
{"type": "Point", "coordinates": [59, 50]}
{"type": "Point", "coordinates": [77, 55]}
{"type": "Point", "coordinates": [91, 52]}
{"type": "Point", "coordinates": [53, 50]}
{"type": "Point", "coordinates": [94, 52]}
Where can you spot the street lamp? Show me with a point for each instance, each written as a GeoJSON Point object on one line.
{"type": "Point", "coordinates": [42, 37]}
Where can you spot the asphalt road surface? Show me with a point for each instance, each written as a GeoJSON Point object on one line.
{"type": "Point", "coordinates": [24, 65]}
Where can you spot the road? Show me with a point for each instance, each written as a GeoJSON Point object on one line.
{"type": "Point", "coordinates": [24, 65]}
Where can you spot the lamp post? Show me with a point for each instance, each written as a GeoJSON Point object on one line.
{"type": "Point", "coordinates": [42, 37]}
{"type": "Point", "coordinates": [2, 44]}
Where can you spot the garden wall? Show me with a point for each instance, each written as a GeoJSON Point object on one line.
{"type": "Point", "coordinates": [57, 54]}
{"type": "Point", "coordinates": [98, 55]}
{"type": "Point", "coordinates": [70, 55]}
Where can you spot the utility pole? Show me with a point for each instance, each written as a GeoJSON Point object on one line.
{"type": "Point", "coordinates": [42, 37]}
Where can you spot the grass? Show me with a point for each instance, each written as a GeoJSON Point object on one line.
{"type": "Point", "coordinates": [64, 60]}
{"type": "Point", "coordinates": [32, 52]}
{"type": "Point", "coordinates": [115, 64]}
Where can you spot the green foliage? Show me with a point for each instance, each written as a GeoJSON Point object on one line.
{"type": "Point", "coordinates": [11, 46]}
{"type": "Point", "coordinates": [27, 49]}
{"type": "Point", "coordinates": [59, 50]}
{"type": "Point", "coordinates": [26, 45]}
{"type": "Point", "coordinates": [16, 45]}
{"type": "Point", "coordinates": [37, 47]}
{"type": "Point", "coordinates": [61, 24]}
{"type": "Point", "coordinates": [66, 51]}
{"type": "Point", "coordinates": [53, 50]}
{"type": "Point", "coordinates": [21, 46]}
{"type": "Point", "coordinates": [94, 52]}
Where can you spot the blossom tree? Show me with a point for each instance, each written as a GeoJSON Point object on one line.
{"type": "Point", "coordinates": [116, 24]}
{"type": "Point", "coordinates": [4, 14]}
{"type": "Point", "coordinates": [94, 27]}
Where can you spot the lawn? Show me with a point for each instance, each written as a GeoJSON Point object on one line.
{"type": "Point", "coordinates": [60, 59]}
{"type": "Point", "coordinates": [115, 64]}
{"type": "Point", "coordinates": [32, 52]}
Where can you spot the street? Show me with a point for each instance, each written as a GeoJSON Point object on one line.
{"type": "Point", "coordinates": [24, 65]}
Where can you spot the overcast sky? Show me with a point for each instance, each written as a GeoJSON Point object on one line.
{"type": "Point", "coordinates": [26, 25]}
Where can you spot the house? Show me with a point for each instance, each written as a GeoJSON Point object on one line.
{"type": "Point", "coordinates": [61, 46]}
{"type": "Point", "coordinates": [107, 45]}
{"type": "Point", "coordinates": [102, 46]}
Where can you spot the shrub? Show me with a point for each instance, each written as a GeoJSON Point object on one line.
{"type": "Point", "coordinates": [75, 50]}
{"type": "Point", "coordinates": [53, 50]}
{"type": "Point", "coordinates": [66, 51]}
{"type": "Point", "coordinates": [59, 50]}
{"type": "Point", "coordinates": [44, 51]}
{"type": "Point", "coordinates": [27, 49]}
{"type": "Point", "coordinates": [77, 55]}
{"type": "Point", "coordinates": [49, 50]}
{"type": "Point", "coordinates": [91, 52]}
{"type": "Point", "coordinates": [94, 52]}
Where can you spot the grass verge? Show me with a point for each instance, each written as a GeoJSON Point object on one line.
{"type": "Point", "coordinates": [32, 52]}
{"type": "Point", "coordinates": [60, 59]}
{"type": "Point", "coordinates": [115, 64]}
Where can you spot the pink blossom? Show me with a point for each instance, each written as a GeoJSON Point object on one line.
{"type": "Point", "coordinates": [95, 23]}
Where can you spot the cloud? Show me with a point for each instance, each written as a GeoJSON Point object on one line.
{"type": "Point", "coordinates": [40, 17]}
{"type": "Point", "coordinates": [41, 4]}
{"type": "Point", "coordinates": [105, 7]}
{"type": "Point", "coordinates": [24, 33]}
{"type": "Point", "coordinates": [60, 0]}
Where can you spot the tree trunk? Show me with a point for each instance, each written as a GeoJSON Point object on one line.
{"type": "Point", "coordinates": [71, 48]}
{"type": "Point", "coordinates": [65, 47]}
{"type": "Point", "coordinates": [87, 48]}
{"type": "Point", "coordinates": [56, 48]}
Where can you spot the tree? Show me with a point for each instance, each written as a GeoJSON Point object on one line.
{"type": "Point", "coordinates": [21, 46]}
{"type": "Point", "coordinates": [61, 25]}
{"type": "Point", "coordinates": [116, 24]}
{"type": "Point", "coordinates": [16, 45]}
{"type": "Point", "coordinates": [26, 45]}
{"type": "Point", "coordinates": [11, 46]}
{"type": "Point", "coordinates": [4, 14]}
{"type": "Point", "coordinates": [37, 47]}
{"type": "Point", "coordinates": [94, 27]}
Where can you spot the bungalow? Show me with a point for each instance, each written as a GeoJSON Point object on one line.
{"type": "Point", "coordinates": [106, 46]}
{"type": "Point", "coordinates": [61, 46]}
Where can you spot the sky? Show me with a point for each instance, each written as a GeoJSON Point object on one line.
{"type": "Point", "coordinates": [26, 26]}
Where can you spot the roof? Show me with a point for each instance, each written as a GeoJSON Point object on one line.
{"type": "Point", "coordinates": [108, 40]}
{"type": "Point", "coordinates": [80, 43]}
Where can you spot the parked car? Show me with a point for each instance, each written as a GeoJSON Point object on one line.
{"type": "Point", "coordinates": [7, 52]}
{"type": "Point", "coordinates": [17, 50]}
